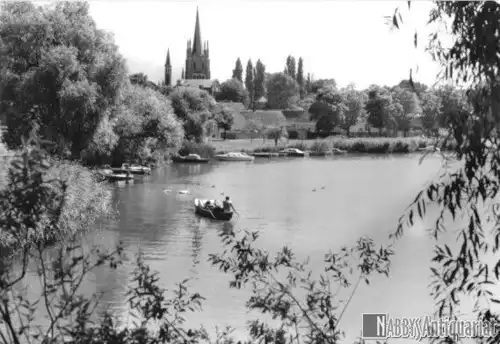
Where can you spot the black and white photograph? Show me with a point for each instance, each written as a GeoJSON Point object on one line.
{"type": "Point", "coordinates": [249, 172]}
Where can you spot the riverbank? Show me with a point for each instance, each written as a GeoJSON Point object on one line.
{"type": "Point", "coordinates": [86, 199]}
{"type": "Point", "coordinates": [377, 145]}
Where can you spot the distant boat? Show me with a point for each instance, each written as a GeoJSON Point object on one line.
{"type": "Point", "coordinates": [137, 169]}
{"type": "Point", "coordinates": [234, 157]}
{"type": "Point", "coordinates": [113, 177]}
{"type": "Point", "coordinates": [191, 159]}
{"type": "Point", "coordinates": [293, 152]}
{"type": "Point", "coordinates": [216, 213]}
{"type": "Point", "coordinates": [133, 168]}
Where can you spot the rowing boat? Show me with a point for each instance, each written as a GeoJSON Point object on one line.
{"type": "Point", "coordinates": [215, 213]}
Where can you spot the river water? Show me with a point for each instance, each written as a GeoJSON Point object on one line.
{"type": "Point", "coordinates": [354, 196]}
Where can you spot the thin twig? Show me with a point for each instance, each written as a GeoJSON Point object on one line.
{"type": "Point", "coordinates": [350, 298]}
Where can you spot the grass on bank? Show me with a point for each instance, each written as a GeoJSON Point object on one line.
{"type": "Point", "coordinates": [351, 145]}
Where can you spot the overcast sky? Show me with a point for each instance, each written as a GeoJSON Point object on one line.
{"type": "Point", "coordinates": [345, 40]}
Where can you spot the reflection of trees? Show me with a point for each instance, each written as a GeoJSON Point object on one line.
{"type": "Point", "coordinates": [196, 241]}
{"type": "Point", "coordinates": [182, 170]}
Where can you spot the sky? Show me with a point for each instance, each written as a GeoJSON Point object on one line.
{"type": "Point", "coordinates": [348, 41]}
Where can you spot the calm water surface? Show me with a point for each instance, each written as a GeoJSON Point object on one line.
{"type": "Point", "coordinates": [361, 196]}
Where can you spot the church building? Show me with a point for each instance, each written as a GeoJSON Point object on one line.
{"type": "Point", "coordinates": [196, 72]}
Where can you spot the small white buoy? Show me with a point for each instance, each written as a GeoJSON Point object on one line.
{"type": "Point", "coordinates": [184, 192]}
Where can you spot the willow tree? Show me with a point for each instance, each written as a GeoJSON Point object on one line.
{"type": "Point", "coordinates": [60, 74]}
{"type": "Point", "coordinates": [470, 191]}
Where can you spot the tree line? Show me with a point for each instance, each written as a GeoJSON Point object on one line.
{"type": "Point", "coordinates": [389, 109]}
{"type": "Point", "coordinates": [402, 107]}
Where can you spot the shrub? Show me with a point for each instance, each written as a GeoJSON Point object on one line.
{"type": "Point", "coordinates": [320, 147]}
{"type": "Point", "coordinates": [70, 196]}
{"type": "Point", "coordinates": [202, 149]}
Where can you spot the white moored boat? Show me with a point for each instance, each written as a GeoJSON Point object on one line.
{"type": "Point", "coordinates": [234, 157]}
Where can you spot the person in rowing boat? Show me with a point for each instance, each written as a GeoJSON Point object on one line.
{"type": "Point", "coordinates": [227, 205]}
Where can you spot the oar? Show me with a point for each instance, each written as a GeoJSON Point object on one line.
{"type": "Point", "coordinates": [211, 213]}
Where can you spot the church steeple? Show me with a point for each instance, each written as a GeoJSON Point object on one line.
{"type": "Point", "coordinates": [197, 56]}
{"type": "Point", "coordinates": [197, 36]}
{"type": "Point", "coordinates": [167, 62]}
{"type": "Point", "coordinates": [168, 70]}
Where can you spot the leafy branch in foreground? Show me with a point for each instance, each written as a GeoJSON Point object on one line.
{"type": "Point", "coordinates": [468, 191]}
{"type": "Point", "coordinates": [308, 309]}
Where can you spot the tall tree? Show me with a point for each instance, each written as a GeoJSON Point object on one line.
{"type": "Point", "coordinates": [238, 70]}
{"type": "Point", "coordinates": [378, 108]}
{"type": "Point", "coordinates": [249, 82]}
{"type": "Point", "coordinates": [431, 110]}
{"type": "Point", "coordinates": [290, 67]}
{"type": "Point", "coordinates": [233, 90]}
{"type": "Point", "coordinates": [410, 107]}
{"type": "Point", "coordinates": [60, 74]}
{"type": "Point", "coordinates": [146, 125]}
{"type": "Point", "coordinates": [329, 109]}
{"type": "Point", "coordinates": [319, 84]}
{"type": "Point", "coordinates": [281, 89]}
{"type": "Point", "coordinates": [300, 78]}
{"type": "Point", "coordinates": [194, 107]}
{"type": "Point", "coordinates": [354, 102]}
{"type": "Point", "coordinates": [259, 80]}
{"type": "Point", "coordinates": [308, 84]}
{"type": "Point", "coordinates": [224, 118]}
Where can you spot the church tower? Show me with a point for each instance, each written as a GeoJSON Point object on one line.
{"type": "Point", "coordinates": [197, 55]}
{"type": "Point", "coordinates": [168, 70]}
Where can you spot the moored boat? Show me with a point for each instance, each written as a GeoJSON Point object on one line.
{"type": "Point", "coordinates": [137, 169]}
{"type": "Point", "coordinates": [216, 213]}
{"type": "Point", "coordinates": [293, 152]}
{"type": "Point", "coordinates": [234, 157]}
{"type": "Point", "coordinates": [191, 158]}
{"type": "Point", "coordinates": [113, 177]}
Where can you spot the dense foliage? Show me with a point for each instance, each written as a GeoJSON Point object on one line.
{"type": "Point", "coordinates": [282, 91]}
{"type": "Point", "coordinates": [198, 112]}
{"type": "Point", "coordinates": [234, 91]}
{"type": "Point", "coordinates": [59, 74]}
{"type": "Point", "coordinates": [65, 79]}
